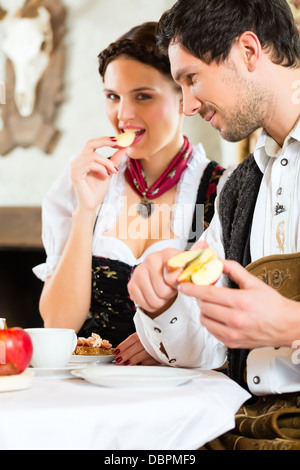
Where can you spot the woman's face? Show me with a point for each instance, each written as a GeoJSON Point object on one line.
{"type": "Point", "coordinates": [141, 98]}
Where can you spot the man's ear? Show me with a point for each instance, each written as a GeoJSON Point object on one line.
{"type": "Point", "coordinates": [250, 48]}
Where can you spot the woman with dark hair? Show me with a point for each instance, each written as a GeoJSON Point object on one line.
{"type": "Point", "coordinates": [103, 216]}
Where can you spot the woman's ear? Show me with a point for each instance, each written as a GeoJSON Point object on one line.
{"type": "Point", "coordinates": [250, 48]}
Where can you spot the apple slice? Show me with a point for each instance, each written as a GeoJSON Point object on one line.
{"type": "Point", "coordinates": [202, 267]}
{"type": "Point", "coordinates": [208, 274]}
{"type": "Point", "coordinates": [183, 259]}
{"type": "Point", "coordinates": [125, 139]}
{"type": "Point", "coordinates": [196, 264]}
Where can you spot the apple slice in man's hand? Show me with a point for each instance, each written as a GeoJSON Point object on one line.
{"type": "Point", "coordinates": [202, 267]}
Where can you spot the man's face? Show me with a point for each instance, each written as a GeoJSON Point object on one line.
{"type": "Point", "coordinates": [222, 94]}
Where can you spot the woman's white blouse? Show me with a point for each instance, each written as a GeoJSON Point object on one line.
{"type": "Point", "coordinates": [60, 202]}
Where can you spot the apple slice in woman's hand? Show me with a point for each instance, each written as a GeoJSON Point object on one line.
{"type": "Point", "coordinates": [125, 139]}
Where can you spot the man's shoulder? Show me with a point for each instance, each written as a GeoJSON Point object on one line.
{"type": "Point", "coordinates": [244, 172]}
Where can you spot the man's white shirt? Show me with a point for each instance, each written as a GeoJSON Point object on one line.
{"type": "Point", "coordinates": [177, 337]}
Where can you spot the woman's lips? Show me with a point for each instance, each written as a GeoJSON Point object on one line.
{"type": "Point", "coordinates": [138, 133]}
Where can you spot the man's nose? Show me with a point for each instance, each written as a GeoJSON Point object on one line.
{"type": "Point", "coordinates": [191, 104]}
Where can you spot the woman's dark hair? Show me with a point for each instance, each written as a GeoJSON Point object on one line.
{"type": "Point", "coordinates": [208, 28]}
{"type": "Point", "coordinates": [140, 44]}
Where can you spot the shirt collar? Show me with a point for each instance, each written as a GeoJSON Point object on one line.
{"type": "Point", "coordinates": [266, 147]}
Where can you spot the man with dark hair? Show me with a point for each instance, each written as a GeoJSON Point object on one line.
{"type": "Point", "coordinates": [208, 30]}
{"type": "Point", "coordinates": [238, 63]}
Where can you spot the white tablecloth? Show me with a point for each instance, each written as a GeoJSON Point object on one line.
{"type": "Point", "coordinates": [70, 413]}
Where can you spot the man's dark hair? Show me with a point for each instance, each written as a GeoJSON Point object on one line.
{"type": "Point", "coordinates": [208, 28]}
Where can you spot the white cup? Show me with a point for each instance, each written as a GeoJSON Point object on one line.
{"type": "Point", "coordinates": [52, 347]}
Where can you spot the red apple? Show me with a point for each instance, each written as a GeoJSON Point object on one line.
{"type": "Point", "coordinates": [15, 351]}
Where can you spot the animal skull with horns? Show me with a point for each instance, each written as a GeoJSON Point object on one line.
{"type": "Point", "coordinates": [28, 43]}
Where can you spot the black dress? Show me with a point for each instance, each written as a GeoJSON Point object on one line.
{"type": "Point", "coordinates": [112, 311]}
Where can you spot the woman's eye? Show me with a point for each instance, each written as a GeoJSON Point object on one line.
{"type": "Point", "coordinates": [112, 97]}
{"type": "Point", "coordinates": [143, 96]}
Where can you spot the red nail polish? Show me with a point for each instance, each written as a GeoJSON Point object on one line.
{"type": "Point", "coordinates": [113, 139]}
{"type": "Point", "coordinates": [126, 363]}
{"type": "Point", "coordinates": [117, 169]}
{"type": "Point", "coordinates": [118, 359]}
{"type": "Point", "coordinates": [117, 351]}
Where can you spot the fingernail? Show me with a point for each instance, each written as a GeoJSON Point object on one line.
{"type": "Point", "coordinates": [113, 139]}
{"type": "Point", "coordinates": [126, 363]}
{"type": "Point", "coordinates": [117, 351]}
{"type": "Point", "coordinates": [119, 359]}
{"type": "Point", "coordinates": [117, 169]}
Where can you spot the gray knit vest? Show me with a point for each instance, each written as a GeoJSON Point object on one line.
{"type": "Point", "coordinates": [237, 203]}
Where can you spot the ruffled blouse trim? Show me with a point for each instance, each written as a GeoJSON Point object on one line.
{"type": "Point", "coordinates": [44, 270]}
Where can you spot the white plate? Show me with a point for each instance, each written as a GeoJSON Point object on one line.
{"type": "Point", "coordinates": [136, 376]}
{"type": "Point", "coordinates": [22, 381]}
{"type": "Point", "coordinates": [61, 372]}
{"type": "Point", "coordinates": [102, 359]}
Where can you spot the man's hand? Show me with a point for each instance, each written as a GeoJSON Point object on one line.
{"type": "Point", "coordinates": [253, 316]}
{"type": "Point", "coordinates": [150, 286]}
{"type": "Point", "coordinates": [153, 286]}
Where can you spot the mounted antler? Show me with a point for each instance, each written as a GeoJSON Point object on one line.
{"type": "Point", "coordinates": [33, 43]}
{"type": "Point", "coordinates": [3, 14]}
{"type": "Point", "coordinates": [11, 7]}
{"type": "Point", "coordinates": [31, 9]}
{"type": "Point", "coordinates": [28, 44]}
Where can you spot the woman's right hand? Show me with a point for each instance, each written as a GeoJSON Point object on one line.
{"type": "Point", "coordinates": [132, 352]}
{"type": "Point", "coordinates": [91, 172]}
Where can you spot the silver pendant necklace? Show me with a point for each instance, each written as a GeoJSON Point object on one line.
{"type": "Point", "coordinates": [145, 207]}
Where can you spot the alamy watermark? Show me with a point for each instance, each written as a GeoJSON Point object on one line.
{"type": "Point", "coordinates": [156, 227]}
{"type": "Point", "coordinates": [2, 92]}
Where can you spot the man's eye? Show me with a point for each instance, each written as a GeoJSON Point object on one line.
{"type": "Point", "coordinates": [190, 79]}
